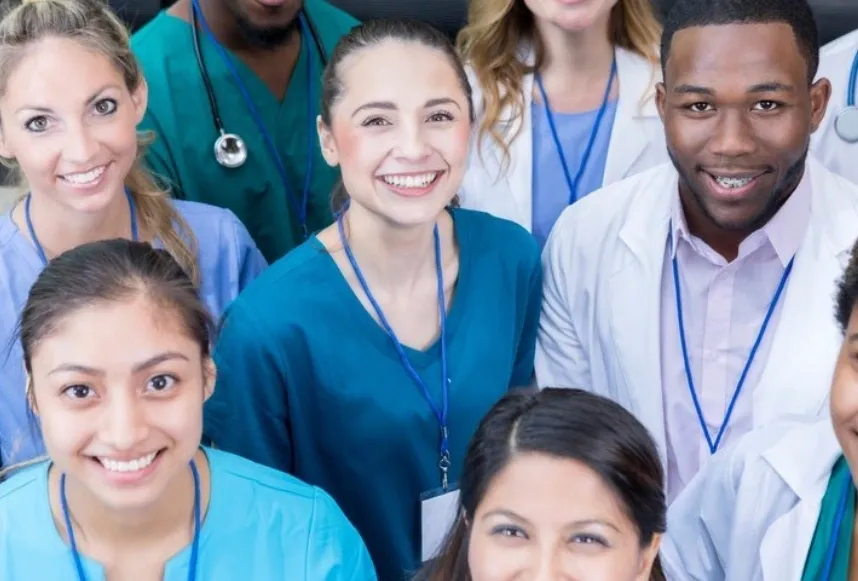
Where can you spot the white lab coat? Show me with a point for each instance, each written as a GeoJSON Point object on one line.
{"type": "Point", "coordinates": [637, 143]}
{"type": "Point", "coordinates": [835, 63]}
{"type": "Point", "coordinates": [601, 312]}
{"type": "Point", "coordinates": [750, 514]}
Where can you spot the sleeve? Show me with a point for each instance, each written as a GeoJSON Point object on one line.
{"type": "Point", "coordinates": [335, 550]}
{"type": "Point", "coordinates": [159, 159]}
{"type": "Point", "coordinates": [248, 413]}
{"type": "Point", "coordinates": [522, 374]}
{"type": "Point", "coordinates": [561, 360]}
{"type": "Point", "coordinates": [250, 259]}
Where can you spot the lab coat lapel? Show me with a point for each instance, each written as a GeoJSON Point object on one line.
{"type": "Point", "coordinates": [636, 102]}
{"type": "Point", "coordinates": [803, 460]}
{"type": "Point", "coordinates": [635, 302]}
{"type": "Point", "coordinates": [806, 342]}
{"type": "Point", "coordinates": [521, 154]}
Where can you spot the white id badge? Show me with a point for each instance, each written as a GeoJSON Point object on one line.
{"type": "Point", "coordinates": [437, 514]}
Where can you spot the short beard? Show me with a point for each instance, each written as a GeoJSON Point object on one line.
{"type": "Point", "coordinates": [263, 38]}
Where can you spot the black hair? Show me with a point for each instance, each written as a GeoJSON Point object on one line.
{"type": "Point", "coordinates": [846, 298]}
{"type": "Point", "coordinates": [796, 13]}
{"type": "Point", "coordinates": [105, 271]}
{"type": "Point", "coordinates": [563, 423]}
{"type": "Point", "coordinates": [372, 33]}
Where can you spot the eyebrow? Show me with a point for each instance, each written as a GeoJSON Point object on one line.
{"type": "Point", "coordinates": [89, 101]}
{"type": "Point", "coordinates": [770, 87]}
{"type": "Point", "coordinates": [390, 106]}
{"type": "Point", "coordinates": [151, 362]}
{"type": "Point", "coordinates": [578, 523]}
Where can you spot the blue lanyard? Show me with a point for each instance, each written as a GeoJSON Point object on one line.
{"type": "Point", "coordinates": [713, 446]}
{"type": "Point", "coordinates": [38, 245]}
{"type": "Point", "coordinates": [440, 414]}
{"type": "Point", "coordinates": [573, 184]}
{"type": "Point", "coordinates": [300, 211]}
{"type": "Point", "coordinates": [195, 545]}
{"type": "Point", "coordinates": [835, 528]}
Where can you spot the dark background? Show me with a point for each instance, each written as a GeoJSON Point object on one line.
{"type": "Point", "coordinates": [834, 17]}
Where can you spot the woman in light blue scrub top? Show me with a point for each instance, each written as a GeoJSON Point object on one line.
{"type": "Point", "coordinates": [116, 347]}
{"type": "Point", "coordinates": [79, 157]}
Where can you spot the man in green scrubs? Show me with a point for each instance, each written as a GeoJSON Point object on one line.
{"type": "Point", "coordinates": [280, 67]}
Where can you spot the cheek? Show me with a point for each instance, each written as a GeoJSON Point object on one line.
{"type": "Point", "coordinates": [488, 563]}
{"type": "Point", "coordinates": [844, 390]}
{"type": "Point", "coordinates": [454, 144]}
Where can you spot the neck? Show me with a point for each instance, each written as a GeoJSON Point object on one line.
{"type": "Point", "coordinates": [723, 241]}
{"type": "Point", "coordinates": [99, 526]}
{"type": "Point", "coordinates": [389, 255]}
{"type": "Point", "coordinates": [573, 59]}
{"type": "Point", "coordinates": [59, 228]}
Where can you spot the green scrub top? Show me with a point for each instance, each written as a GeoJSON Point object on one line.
{"type": "Point", "coordinates": [180, 116]}
{"type": "Point", "coordinates": [310, 384]}
{"type": "Point", "coordinates": [813, 567]}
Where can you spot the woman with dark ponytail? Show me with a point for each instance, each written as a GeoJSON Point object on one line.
{"type": "Point", "coordinates": [557, 484]}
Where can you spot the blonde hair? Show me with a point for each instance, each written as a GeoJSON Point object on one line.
{"type": "Point", "coordinates": [494, 34]}
{"type": "Point", "coordinates": [93, 25]}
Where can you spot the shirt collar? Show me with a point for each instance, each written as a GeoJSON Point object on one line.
{"type": "Point", "coordinates": [785, 231]}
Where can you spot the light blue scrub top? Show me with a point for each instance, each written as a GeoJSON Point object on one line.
{"type": "Point", "coordinates": [261, 525]}
{"type": "Point", "coordinates": [550, 189]}
{"type": "Point", "coordinates": [228, 261]}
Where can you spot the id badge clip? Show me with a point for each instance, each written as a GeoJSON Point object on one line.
{"type": "Point", "coordinates": [438, 510]}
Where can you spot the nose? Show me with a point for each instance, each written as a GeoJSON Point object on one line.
{"type": "Point", "coordinates": [549, 567]}
{"type": "Point", "coordinates": [411, 142]}
{"type": "Point", "coordinates": [80, 146]}
{"type": "Point", "coordinates": [123, 422]}
{"type": "Point", "coordinates": [733, 135]}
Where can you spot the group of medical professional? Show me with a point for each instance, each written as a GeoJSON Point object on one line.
{"type": "Point", "coordinates": [290, 296]}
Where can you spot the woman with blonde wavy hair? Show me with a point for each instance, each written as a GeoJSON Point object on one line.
{"type": "Point", "coordinates": [71, 96]}
{"type": "Point", "coordinates": [565, 90]}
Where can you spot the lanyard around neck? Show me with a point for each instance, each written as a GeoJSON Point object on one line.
{"type": "Point", "coordinates": [573, 184]}
{"type": "Point", "coordinates": [41, 251]}
{"type": "Point", "coordinates": [713, 444]}
{"type": "Point", "coordinates": [195, 545]}
{"type": "Point", "coordinates": [440, 413]}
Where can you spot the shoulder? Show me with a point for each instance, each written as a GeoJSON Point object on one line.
{"type": "Point", "coordinates": [331, 22]}
{"type": "Point", "coordinates": [490, 233]}
{"type": "Point", "coordinates": [21, 491]}
{"type": "Point", "coordinates": [204, 218]}
{"type": "Point", "coordinates": [842, 47]}
{"type": "Point", "coordinates": [156, 39]}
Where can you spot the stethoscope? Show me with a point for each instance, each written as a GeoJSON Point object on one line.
{"type": "Point", "coordinates": [846, 122]}
{"type": "Point", "coordinates": [230, 150]}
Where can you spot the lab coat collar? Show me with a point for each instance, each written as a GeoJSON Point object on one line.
{"type": "Point", "coordinates": [817, 448]}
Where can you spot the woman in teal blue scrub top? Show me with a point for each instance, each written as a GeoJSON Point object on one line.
{"type": "Point", "coordinates": [363, 360]}
{"type": "Point", "coordinates": [116, 349]}
{"type": "Point", "coordinates": [72, 95]}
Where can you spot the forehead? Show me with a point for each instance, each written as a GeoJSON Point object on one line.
{"type": "Point", "coordinates": [724, 54]}
{"type": "Point", "coordinates": [114, 334]}
{"type": "Point", "coordinates": [48, 65]}
{"type": "Point", "coordinates": [396, 70]}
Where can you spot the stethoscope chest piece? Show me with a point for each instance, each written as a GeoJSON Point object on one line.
{"type": "Point", "coordinates": [230, 150]}
{"type": "Point", "coordinates": [846, 124]}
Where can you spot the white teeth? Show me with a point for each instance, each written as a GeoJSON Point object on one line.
{"type": "Point", "coordinates": [411, 181]}
{"type": "Point", "coordinates": [132, 466]}
{"type": "Point", "coordinates": [86, 177]}
{"type": "Point", "coordinates": [733, 183]}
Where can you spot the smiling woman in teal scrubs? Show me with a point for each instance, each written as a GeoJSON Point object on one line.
{"type": "Point", "coordinates": [363, 361]}
{"type": "Point", "coordinates": [116, 349]}
{"type": "Point", "coordinates": [264, 63]}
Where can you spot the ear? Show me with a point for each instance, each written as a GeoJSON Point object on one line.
{"type": "Point", "coordinates": [660, 97]}
{"type": "Point", "coordinates": [28, 392]}
{"type": "Point", "coordinates": [327, 143]}
{"type": "Point", "coordinates": [820, 93]}
{"type": "Point", "coordinates": [140, 98]}
{"type": "Point", "coordinates": [649, 555]}
{"type": "Point", "coordinates": [210, 375]}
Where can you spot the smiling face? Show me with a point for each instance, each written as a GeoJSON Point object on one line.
{"type": "Point", "coordinates": [400, 131]}
{"type": "Point", "coordinates": [555, 519]}
{"type": "Point", "coordinates": [69, 121]}
{"type": "Point", "coordinates": [571, 15]}
{"type": "Point", "coordinates": [119, 388]}
{"type": "Point", "coordinates": [738, 114]}
{"type": "Point", "coordinates": [844, 394]}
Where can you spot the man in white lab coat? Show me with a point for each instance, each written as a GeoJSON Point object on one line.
{"type": "Point", "coordinates": [698, 294]}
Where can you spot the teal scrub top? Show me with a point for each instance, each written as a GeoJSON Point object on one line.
{"type": "Point", "coordinates": [310, 384]}
{"type": "Point", "coordinates": [261, 525]}
{"type": "Point", "coordinates": [819, 547]}
{"type": "Point", "coordinates": [180, 116]}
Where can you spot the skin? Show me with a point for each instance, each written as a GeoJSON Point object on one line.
{"type": "Point", "coordinates": [121, 380]}
{"type": "Point", "coordinates": [548, 518]}
{"type": "Point", "coordinates": [736, 102]}
{"type": "Point", "coordinates": [53, 128]}
{"type": "Point", "coordinates": [571, 15]}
